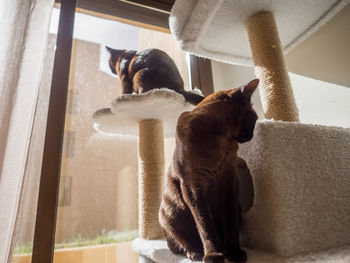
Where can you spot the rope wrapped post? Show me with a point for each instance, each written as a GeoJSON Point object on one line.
{"type": "Point", "coordinates": [151, 174]}
{"type": "Point", "coordinates": [155, 113]}
{"type": "Point", "coordinates": [275, 88]}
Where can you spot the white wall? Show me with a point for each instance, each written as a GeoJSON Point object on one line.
{"type": "Point", "coordinates": [318, 102]}
{"type": "Point", "coordinates": [326, 54]}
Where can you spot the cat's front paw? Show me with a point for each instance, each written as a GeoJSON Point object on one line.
{"type": "Point", "coordinates": [237, 255]}
{"type": "Point", "coordinates": [214, 258]}
{"type": "Point", "coordinates": [194, 256]}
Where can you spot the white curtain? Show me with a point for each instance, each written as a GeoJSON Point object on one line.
{"type": "Point", "coordinates": [23, 41]}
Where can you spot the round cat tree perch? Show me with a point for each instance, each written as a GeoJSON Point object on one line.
{"type": "Point", "coordinates": [151, 116]}
{"type": "Point", "coordinates": [223, 30]}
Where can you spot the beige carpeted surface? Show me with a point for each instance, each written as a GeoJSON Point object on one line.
{"type": "Point", "coordinates": [301, 176]}
{"type": "Point", "coordinates": [158, 251]}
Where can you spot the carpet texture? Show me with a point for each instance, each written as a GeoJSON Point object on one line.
{"type": "Point", "coordinates": [301, 177]}
{"type": "Point", "coordinates": [158, 251]}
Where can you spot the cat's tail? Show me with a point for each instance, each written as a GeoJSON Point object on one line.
{"type": "Point", "coordinates": [192, 97]}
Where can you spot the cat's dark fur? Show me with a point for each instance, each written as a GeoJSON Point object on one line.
{"type": "Point", "coordinates": [149, 69]}
{"type": "Point", "coordinates": [200, 211]}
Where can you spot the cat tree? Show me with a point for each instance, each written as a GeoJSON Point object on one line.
{"type": "Point", "coordinates": [149, 116]}
{"type": "Point", "coordinates": [289, 221]}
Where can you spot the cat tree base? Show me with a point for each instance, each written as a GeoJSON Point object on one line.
{"type": "Point", "coordinates": [157, 251]}
{"type": "Point", "coordinates": [301, 211]}
{"type": "Point", "coordinates": [301, 176]}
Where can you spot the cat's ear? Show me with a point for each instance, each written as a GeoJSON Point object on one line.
{"type": "Point", "coordinates": [249, 88]}
{"type": "Point", "coordinates": [115, 53]}
{"type": "Point", "coordinates": [112, 60]}
{"type": "Point", "coordinates": [110, 50]}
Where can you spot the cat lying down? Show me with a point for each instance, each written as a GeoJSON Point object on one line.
{"type": "Point", "coordinates": [143, 71]}
{"type": "Point", "coordinates": [200, 212]}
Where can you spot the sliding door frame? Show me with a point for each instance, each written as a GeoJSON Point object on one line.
{"type": "Point", "coordinates": [44, 234]}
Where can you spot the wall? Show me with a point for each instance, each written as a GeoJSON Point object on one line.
{"type": "Point", "coordinates": [326, 54]}
{"type": "Point", "coordinates": [320, 102]}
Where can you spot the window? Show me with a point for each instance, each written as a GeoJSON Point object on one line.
{"type": "Point", "coordinates": [97, 201]}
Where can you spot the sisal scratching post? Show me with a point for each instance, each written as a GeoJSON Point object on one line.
{"type": "Point", "coordinates": [151, 165]}
{"type": "Point", "coordinates": [275, 89]}
{"type": "Point", "coordinates": [155, 113]}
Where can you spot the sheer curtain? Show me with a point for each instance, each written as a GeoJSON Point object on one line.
{"type": "Point", "coordinates": [23, 41]}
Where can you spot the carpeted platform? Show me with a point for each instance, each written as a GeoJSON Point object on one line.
{"type": "Point", "coordinates": [158, 251]}
{"type": "Point", "coordinates": [215, 29]}
{"type": "Point", "coordinates": [127, 111]}
{"type": "Point", "coordinates": [301, 176]}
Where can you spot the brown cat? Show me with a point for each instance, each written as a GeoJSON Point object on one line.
{"type": "Point", "coordinates": [149, 69]}
{"type": "Point", "coordinates": [200, 211]}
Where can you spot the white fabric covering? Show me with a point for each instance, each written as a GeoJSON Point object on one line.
{"type": "Point", "coordinates": [24, 33]}
{"type": "Point", "coordinates": [126, 111]}
{"type": "Point", "coordinates": [216, 28]}
{"type": "Point", "coordinates": [301, 176]}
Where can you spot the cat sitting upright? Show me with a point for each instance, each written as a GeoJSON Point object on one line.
{"type": "Point", "coordinates": [149, 69]}
{"type": "Point", "coordinates": [200, 211]}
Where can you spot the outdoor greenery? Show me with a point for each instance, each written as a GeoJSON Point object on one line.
{"type": "Point", "coordinates": [81, 241]}
{"type": "Point", "coordinates": [23, 248]}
